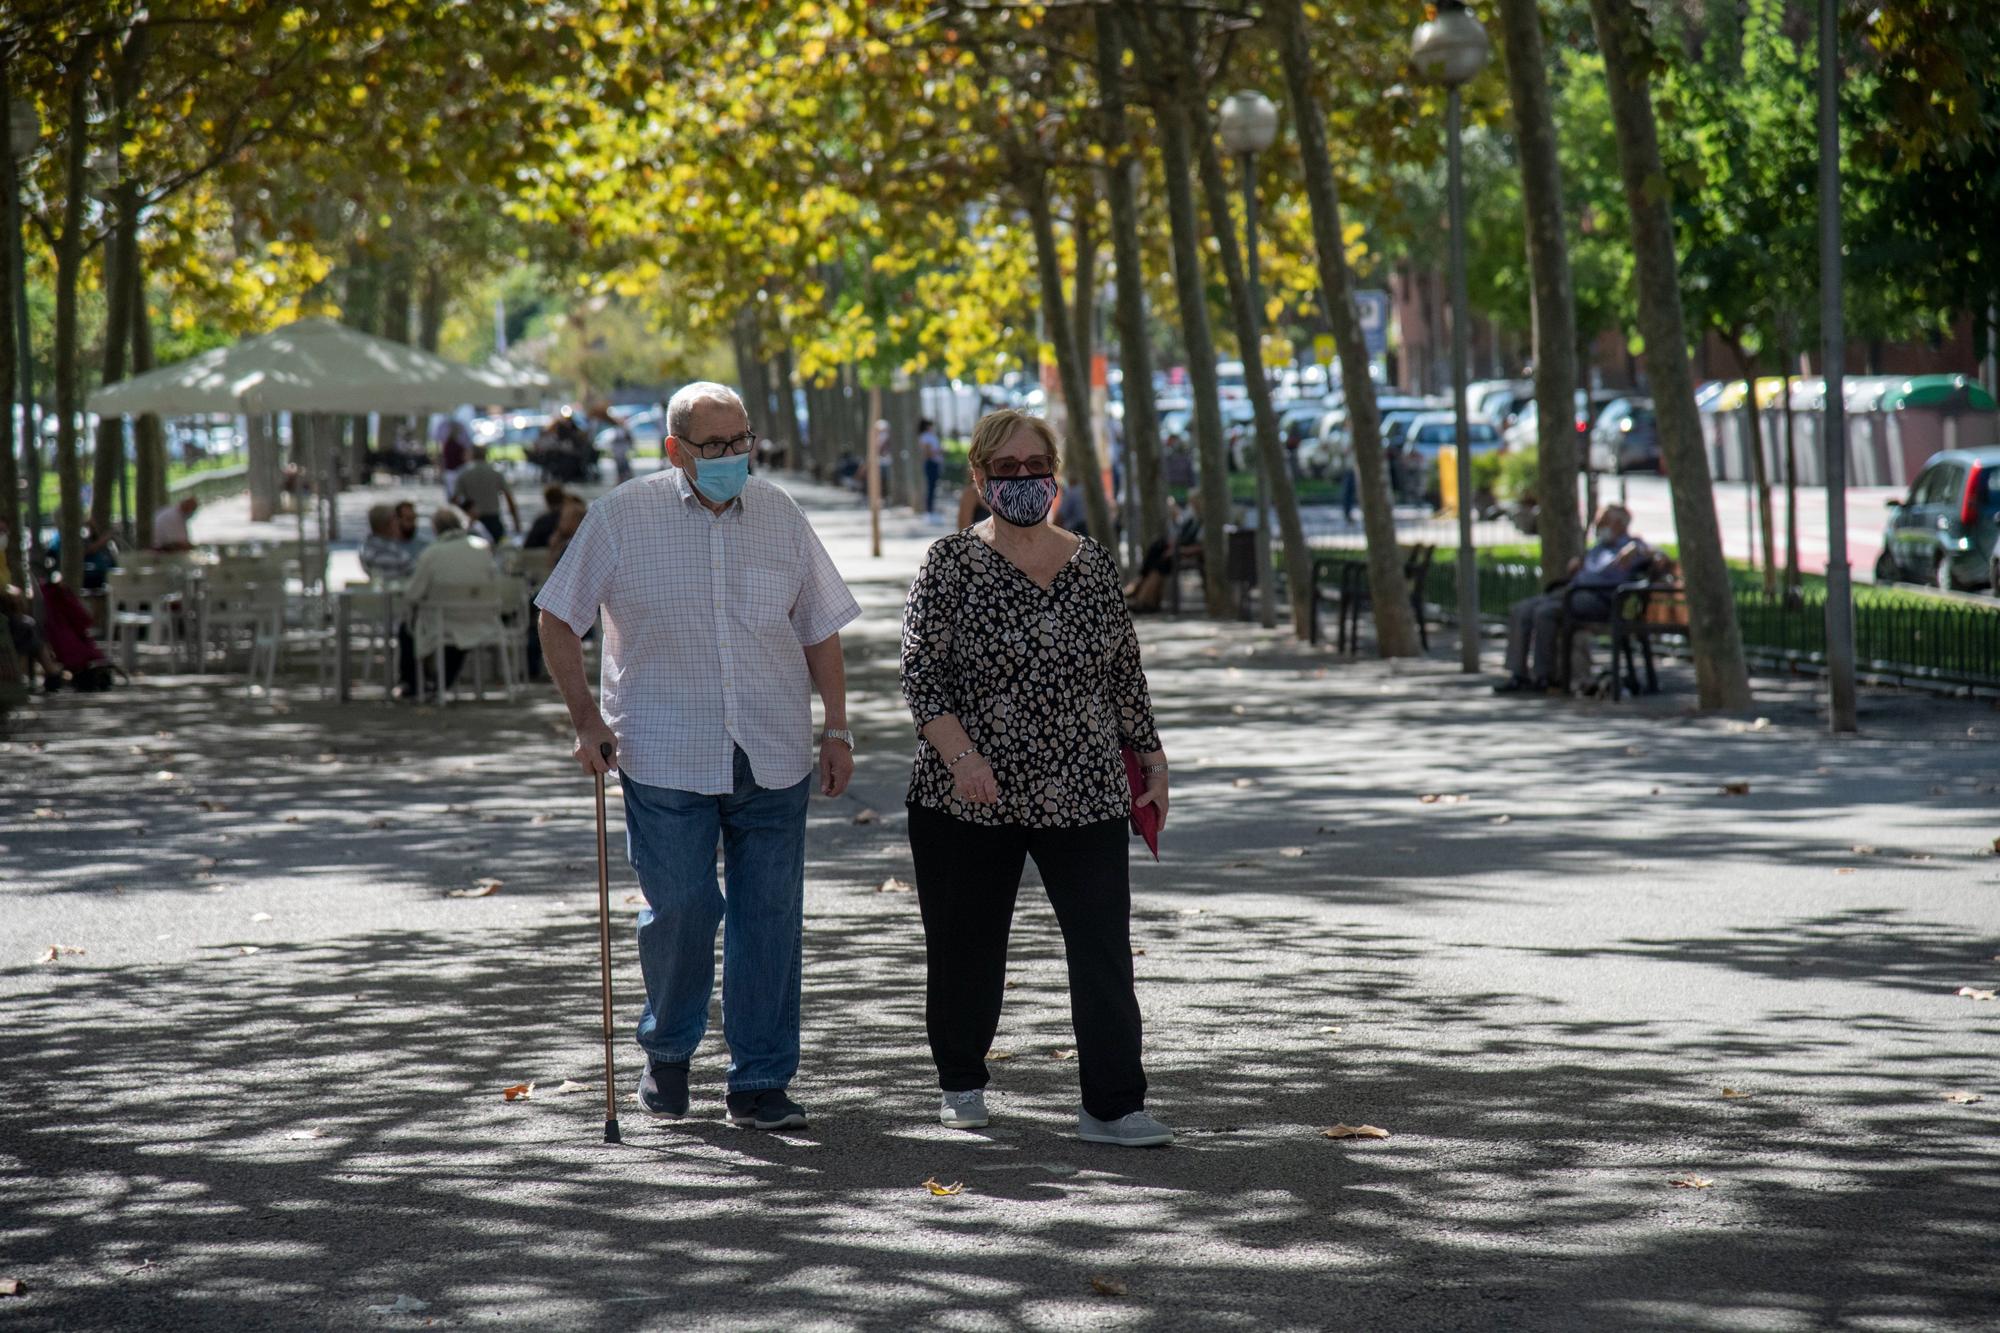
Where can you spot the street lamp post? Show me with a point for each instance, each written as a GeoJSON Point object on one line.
{"type": "Point", "coordinates": [1451, 49]}
{"type": "Point", "coordinates": [1249, 123]}
{"type": "Point", "coordinates": [24, 135]}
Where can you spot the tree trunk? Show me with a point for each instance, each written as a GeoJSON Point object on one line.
{"type": "Point", "coordinates": [1083, 321]}
{"type": "Point", "coordinates": [1163, 83]}
{"type": "Point", "coordinates": [1082, 452]}
{"type": "Point", "coordinates": [1270, 450]}
{"type": "Point", "coordinates": [396, 299]}
{"type": "Point", "coordinates": [1791, 486]}
{"type": "Point", "coordinates": [1721, 677]}
{"type": "Point", "coordinates": [360, 309]}
{"type": "Point", "coordinates": [786, 423]}
{"type": "Point", "coordinates": [1144, 479]}
{"type": "Point", "coordinates": [1558, 524]}
{"type": "Point", "coordinates": [120, 295]}
{"type": "Point", "coordinates": [1759, 474]}
{"type": "Point", "coordinates": [149, 482]}
{"type": "Point", "coordinates": [1395, 627]}
{"type": "Point", "coordinates": [10, 358]}
{"type": "Point", "coordinates": [430, 308]}
{"type": "Point", "coordinates": [69, 259]}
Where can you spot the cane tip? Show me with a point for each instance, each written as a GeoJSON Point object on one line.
{"type": "Point", "coordinates": [611, 1132]}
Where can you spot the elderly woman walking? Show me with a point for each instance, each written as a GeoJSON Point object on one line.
{"type": "Point", "coordinates": [1022, 670]}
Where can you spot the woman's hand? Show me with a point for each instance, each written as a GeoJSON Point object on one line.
{"type": "Point", "coordinates": [973, 781]}
{"type": "Point", "coordinates": [1156, 787]}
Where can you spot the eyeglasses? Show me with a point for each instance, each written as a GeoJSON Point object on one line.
{"type": "Point", "coordinates": [734, 444]}
{"type": "Point", "coordinates": [1010, 468]}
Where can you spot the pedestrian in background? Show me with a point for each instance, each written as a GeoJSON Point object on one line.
{"type": "Point", "coordinates": [933, 447]}
{"type": "Point", "coordinates": [1021, 668]}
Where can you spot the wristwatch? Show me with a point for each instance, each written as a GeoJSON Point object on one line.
{"type": "Point", "coordinates": [844, 737]}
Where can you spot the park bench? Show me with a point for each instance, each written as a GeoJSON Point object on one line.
{"type": "Point", "coordinates": [1639, 611]}
{"type": "Point", "coordinates": [1354, 596]}
{"type": "Point", "coordinates": [1239, 568]}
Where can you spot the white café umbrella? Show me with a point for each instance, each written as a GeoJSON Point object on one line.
{"type": "Point", "coordinates": [314, 365]}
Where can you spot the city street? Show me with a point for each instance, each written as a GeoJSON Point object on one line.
{"type": "Point", "coordinates": [1673, 1021]}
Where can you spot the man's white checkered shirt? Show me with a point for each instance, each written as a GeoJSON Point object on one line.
{"type": "Point", "coordinates": [705, 621]}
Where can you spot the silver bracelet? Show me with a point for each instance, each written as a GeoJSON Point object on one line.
{"type": "Point", "coordinates": [970, 749]}
{"type": "Point", "coordinates": [1160, 767]}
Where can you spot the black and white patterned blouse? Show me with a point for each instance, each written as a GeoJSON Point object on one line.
{"type": "Point", "coordinates": [1047, 683]}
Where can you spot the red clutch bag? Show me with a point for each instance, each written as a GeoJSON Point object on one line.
{"type": "Point", "coordinates": [1145, 818]}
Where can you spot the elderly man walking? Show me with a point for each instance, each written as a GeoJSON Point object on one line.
{"type": "Point", "coordinates": [721, 612]}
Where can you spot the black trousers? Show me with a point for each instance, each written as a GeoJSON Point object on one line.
{"type": "Point", "coordinates": [454, 658]}
{"type": "Point", "coordinates": [967, 878]}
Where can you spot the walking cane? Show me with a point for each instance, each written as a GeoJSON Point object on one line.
{"type": "Point", "coordinates": [604, 958]}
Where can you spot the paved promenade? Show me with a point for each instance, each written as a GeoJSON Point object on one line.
{"type": "Point", "coordinates": [1661, 1013]}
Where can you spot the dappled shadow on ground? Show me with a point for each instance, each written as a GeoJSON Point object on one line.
{"type": "Point", "coordinates": [287, 1136]}
{"type": "Point", "coordinates": [292, 1136]}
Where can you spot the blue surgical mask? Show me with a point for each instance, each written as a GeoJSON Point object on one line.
{"type": "Point", "coordinates": [721, 479]}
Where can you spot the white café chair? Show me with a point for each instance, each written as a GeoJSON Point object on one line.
{"type": "Point", "coordinates": [146, 600]}
{"type": "Point", "coordinates": [241, 597]}
{"type": "Point", "coordinates": [473, 617]}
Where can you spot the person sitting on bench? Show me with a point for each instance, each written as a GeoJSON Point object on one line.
{"type": "Point", "coordinates": [1157, 569]}
{"type": "Point", "coordinates": [1534, 624]}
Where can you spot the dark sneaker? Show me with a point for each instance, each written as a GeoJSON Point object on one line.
{"type": "Point", "coordinates": [1513, 685]}
{"type": "Point", "coordinates": [766, 1108]}
{"type": "Point", "coordinates": [664, 1089]}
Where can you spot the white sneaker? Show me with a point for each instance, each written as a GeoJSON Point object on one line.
{"type": "Point", "coordinates": [963, 1110]}
{"type": "Point", "coordinates": [1137, 1130]}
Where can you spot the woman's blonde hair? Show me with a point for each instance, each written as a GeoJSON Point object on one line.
{"type": "Point", "coordinates": [996, 428]}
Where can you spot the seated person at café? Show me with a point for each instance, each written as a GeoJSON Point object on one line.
{"type": "Point", "coordinates": [170, 525]}
{"type": "Point", "coordinates": [1534, 625]}
{"type": "Point", "coordinates": [385, 556]}
{"type": "Point", "coordinates": [100, 555]}
{"type": "Point", "coordinates": [544, 527]}
{"type": "Point", "coordinates": [457, 562]}
{"type": "Point", "coordinates": [1157, 568]}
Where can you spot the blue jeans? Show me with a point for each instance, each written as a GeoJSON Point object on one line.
{"type": "Point", "coordinates": [670, 837]}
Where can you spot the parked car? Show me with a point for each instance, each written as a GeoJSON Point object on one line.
{"type": "Point", "coordinates": [1497, 400]}
{"type": "Point", "coordinates": [1326, 454]}
{"type": "Point", "coordinates": [1590, 404]}
{"type": "Point", "coordinates": [1430, 432]}
{"type": "Point", "coordinates": [1943, 532]}
{"type": "Point", "coordinates": [1626, 437]}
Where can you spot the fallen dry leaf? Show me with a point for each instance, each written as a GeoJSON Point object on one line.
{"type": "Point", "coordinates": [378, 823]}
{"type": "Point", "coordinates": [1843, 870]}
{"type": "Point", "coordinates": [291, 819]}
{"type": "Point", "coordinates": [1064, 1054]}
{"type": "Point", "coordinates": [1329, 1030]}
{"type": "Point", "coordinates": [1440, 798]}
{"type": "Point", "coordinates": [539, 819]}
{"type": "Point", "coordinates": [12, 1286]}
{"type": "Point", "coordinates": [1964, 1098]}
{"type": "Point", "coordinates": [569, 1085]}
{"type": "Point", "coordinates": [212, 807]}
{"type": "Point", "coordinates": [867, 817]}
{"type": "Point", "coordinates": [307, 1134]}
{"type": "Point", "coordinates": [47, 812]}
{"type": "Point", "coordinates": [1000, 1055]}
{"type": "Point", "coordinates": [484, 888]}
{"type": "Point", "coordinates": [1501, 819]}
{"type": "Point", "coordinates": [260, 916]}
{"type": "Point", "coordinates": [1354, 1132]}
{"type": "Point", "coordinates": [1690, 1182]}
{"type": "Point", "coordinates": [1244, 783]}
{"type": "Point", "coordinates": [1863, 849]}
{"type": "Point", "coordinates": [1291, 853]}
{"type": "Point", "coordinates": [401, 1305]}
{"type": "Point", "coordinates": [1967, 992]}
{"type": "Point", "coordinates": [247, 950]}
{"type": "Point", "coordinates": [519, 1092]}
{"type": "Point", "coordinates": [635, 897]}
{"type": "Point", "coordinates": [206, 863]}
{"type": "Point", "coordinates": [892, 885]}
{"type": "Point", "coordinates": [940, 1190]}
{"type": "Point", "coordinates": [57, 951]}
{"type": "Point", "coordinates": [1731, 1092]}
{"type": "Point", "coordinates": [1735, 789]}
{"type": "Point", "coordinates": [1107, 1286]}
{"type": "Point", "coordinates": [164, 775]}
